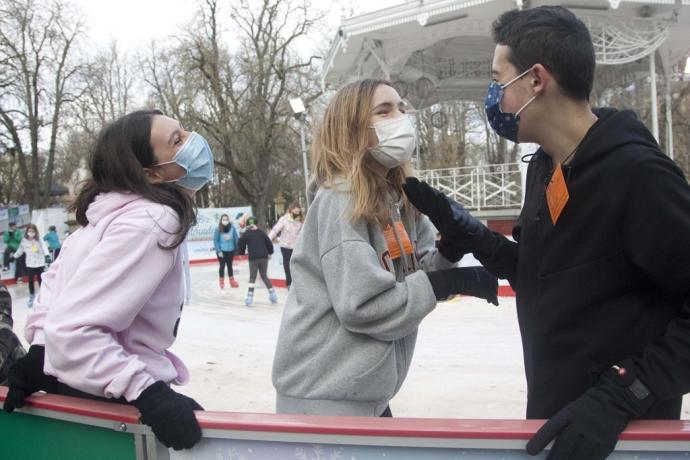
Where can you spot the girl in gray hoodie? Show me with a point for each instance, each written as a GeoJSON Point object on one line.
{"type": "Point", "coordinates": [365, 269]}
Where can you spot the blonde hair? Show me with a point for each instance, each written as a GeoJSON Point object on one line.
{"type": "Point", "coordinates": [340, 151]}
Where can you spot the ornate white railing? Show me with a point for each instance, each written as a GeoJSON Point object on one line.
{"type": "Point", "coordinates": [479, 187]}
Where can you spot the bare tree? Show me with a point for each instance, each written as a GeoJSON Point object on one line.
{"type": "Point", "coordinates": [241, 97]}
{"type": "Point", "coordinates": [37, 43]}
{"type": "Point", "coordinates": [110, 89]}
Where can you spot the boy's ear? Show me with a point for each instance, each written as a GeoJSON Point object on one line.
{"type": "Point", "coordinates": [540, 79]}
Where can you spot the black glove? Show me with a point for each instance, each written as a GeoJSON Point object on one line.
{"type": "Point", "coordinates": [450, 218]}
{"type": "Point", "coordinates": [26, 377]}
{"type": "Point", "coordinates": [170, 415]}
{"type": "Point", "coordinates": [474, 281]}
{"type": "Point", "coordinates": [588, 427]}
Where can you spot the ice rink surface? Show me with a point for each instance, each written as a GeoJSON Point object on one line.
{"type": "Point", "coordinates": [467, 364]}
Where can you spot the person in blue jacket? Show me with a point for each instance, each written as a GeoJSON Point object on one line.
{"type": "Point", "coordinates": [53, 241]}
{"type": "Point", "coordinates": [224, 242]}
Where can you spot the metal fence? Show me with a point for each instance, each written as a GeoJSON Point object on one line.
{"type": "Point", "coordinates": [479, 187]}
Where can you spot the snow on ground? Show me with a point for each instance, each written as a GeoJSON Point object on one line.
{"type": "Point", "coordinates": [467, 364]}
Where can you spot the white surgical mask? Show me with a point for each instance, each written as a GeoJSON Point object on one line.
{"type": "Point", "coordinates": [30, 234]}
{"type": "Point", "coordinates": [396, 141]}
{"type": "Point", "coordinates": [225, 221]}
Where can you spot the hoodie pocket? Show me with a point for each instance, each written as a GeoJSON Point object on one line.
{"type": "Point", "coordinates": [378, 382]}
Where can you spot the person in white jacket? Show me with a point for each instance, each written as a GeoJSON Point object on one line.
{"type": "Point", "coordinates": [35, 252]}
{"type": "Point", "coordinates": [110, 305]}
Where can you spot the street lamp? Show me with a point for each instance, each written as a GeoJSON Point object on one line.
{"type": "Point", "coordinates": [300, 113]}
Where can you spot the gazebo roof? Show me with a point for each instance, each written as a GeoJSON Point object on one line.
{"type": "Point", "coordinates": [440, 50]}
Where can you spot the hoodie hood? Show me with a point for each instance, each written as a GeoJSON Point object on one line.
{"type": "Point", "coordinates": [106, 204]}
{"type": "Point", "coordinates": [613, 130]}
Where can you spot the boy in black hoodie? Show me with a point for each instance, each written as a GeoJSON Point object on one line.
{"type": "Point", "coordinates": [601, 262]}
{"type": "Point", "coordinates": [260, 249]}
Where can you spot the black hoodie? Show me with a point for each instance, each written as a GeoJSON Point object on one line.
{"type": "Point", "coordinates": [611, 280]}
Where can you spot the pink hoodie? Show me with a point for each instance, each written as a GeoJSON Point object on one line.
{"type": "Point", "coordinates": [108, 308]}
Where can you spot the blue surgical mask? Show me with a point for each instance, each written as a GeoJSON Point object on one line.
{"type": "Point", "coordinates": [505, 124]}
{"type": "Point", "coordinates": [196, 158]}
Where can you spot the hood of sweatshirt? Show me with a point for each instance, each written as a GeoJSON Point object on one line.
{"type": "Point", "coordinates": [106, 204]}
{"type": "Point", "coordinates": [613, 129]}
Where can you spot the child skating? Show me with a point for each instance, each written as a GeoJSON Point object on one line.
{"type": "Point", "coordinates": [32, 246]}
{"type": "Point", "coordinates": [259, 246]}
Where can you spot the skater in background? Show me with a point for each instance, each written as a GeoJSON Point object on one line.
{"type": "Point", "coordinates": [285, 233]}
{"type": "Point", "coordinates": [12, 237]}
{"type": "Point", "coordinates": [110, 306]}
{"type": "Point", "coordinates": [53, 241]}
{"type": "Point", "coordinates": [35, 259]}
{"type": "Point", "coordinates": [225, 242]}
{"type": "Point", "coordinates": [258, 245]}
{"type": "Point", "coordinates": [365, 271]}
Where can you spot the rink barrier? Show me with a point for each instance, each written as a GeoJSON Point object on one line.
{"type": "Point", "coordinates": [54, 427]}
{"type": "Point", "coordinates": [504, 290]}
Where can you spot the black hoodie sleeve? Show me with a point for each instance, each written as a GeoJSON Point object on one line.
{"type": "Point", "coordinates": [501, 261]}
{"type": "Point", "coordinates": [269, 243]}
{"type": "Point", "coordinates": [656, 236]}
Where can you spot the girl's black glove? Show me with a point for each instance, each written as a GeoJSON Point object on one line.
{"type": "Point", "coordinates": [170, 415]}
{"type": "Point", "coordinates": [474, 281]}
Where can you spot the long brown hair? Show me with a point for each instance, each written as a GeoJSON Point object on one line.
{"type": "Point", "coordinates": [35, 229]}
{"type": "Point", "coordinates": [340, 151]}
{"type": "Point", "coordinates": [117, 160]}
{"type": "Point", "coordinates": [220, 224]}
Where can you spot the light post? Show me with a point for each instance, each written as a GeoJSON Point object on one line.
{"type": "Point", "coordinates": [300, 113]}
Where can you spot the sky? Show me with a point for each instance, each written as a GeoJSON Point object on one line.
{"type": "Point", "coordinates": [133, 23]}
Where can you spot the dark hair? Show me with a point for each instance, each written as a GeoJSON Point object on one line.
{"type": "Point", "coordinates": [52, 228]}
{"type": "Point", "coordinates": [117, 160]}
{"type": "Point", "coordinates": [220, 224]}
{"type": "Point", "coordinates": [34, 228]}
{"type": "Point", "coordinates": [12, 224]}
{"type": "Point", "coordinates": [553, 37]}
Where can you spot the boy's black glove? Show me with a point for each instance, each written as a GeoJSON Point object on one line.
{"type": "Point", "coordinates": [588, 427]}
{"type": "Point", "coordinates": [170, 415]}
{"type": "Point", "coordinates": [26, 377]}
{"type": "Point", "coordinates": [450, 218]}
{"type": "Point", "coordinates": [474, 281]}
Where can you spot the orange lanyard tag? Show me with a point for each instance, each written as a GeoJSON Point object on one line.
{"type": "Point", "coordinates": [392, 242]}
{"type": "Point", "coordinates": [557, 194]}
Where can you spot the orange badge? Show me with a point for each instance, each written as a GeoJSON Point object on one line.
{"type": "Point", "coordinates": [393, 246]}
{"type": "Point", "coordinates": [557, 194]}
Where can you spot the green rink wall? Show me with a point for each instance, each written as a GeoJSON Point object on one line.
{"type": "Point", "coordinates": [28, 437]}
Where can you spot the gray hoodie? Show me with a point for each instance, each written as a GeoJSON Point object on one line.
{"type": "Point", "coordinates": [350, 322]}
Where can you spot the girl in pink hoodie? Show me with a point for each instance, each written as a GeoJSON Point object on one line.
{"type": "Point", "coordinates": [109, 307]}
